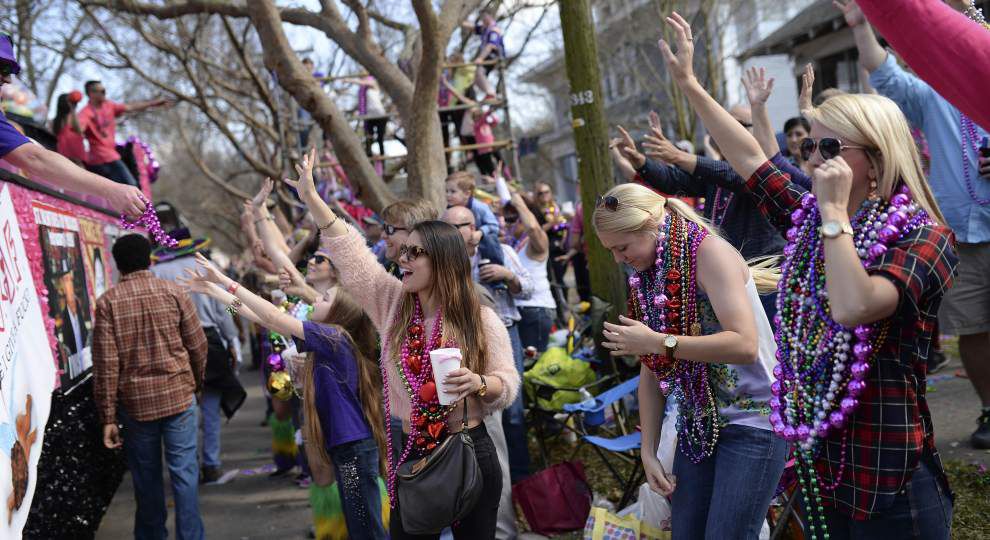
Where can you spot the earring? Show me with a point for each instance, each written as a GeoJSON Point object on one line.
{"type": "Point", "coordinates": [874, 187]}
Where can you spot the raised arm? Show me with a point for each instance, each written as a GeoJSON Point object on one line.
{"type": "Point", "coordinates": [358, 270]}
{"type": "Point", "coordinates": [626, 168]}
{"type": "Point", "coordinates": [871, 54]}
{"type": "Point", "coordinates": [806, 104]}
{"type": "Point", "coordinates": [194, 283]}
{"type": "Point", "coordinates": [267, 313]}
{"type": "Point", "coordinates": [758, 90]}
{"type": "Point", "coordinates": [736, 143]}
{"type": "Point", "coordinates": [918, 29]}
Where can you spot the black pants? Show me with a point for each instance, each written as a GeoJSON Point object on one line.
{"type": "Point", "coordinates": [487, 162]}
{"type": "Point", "coordinates": [581, 276]}
{"type": "Point", "coordinates": [480, 523]}
{"type": "Point", "coordinates": [374, 131]}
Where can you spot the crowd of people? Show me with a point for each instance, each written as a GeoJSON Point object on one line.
{"type": "Point", "coordinates": [786, 295]}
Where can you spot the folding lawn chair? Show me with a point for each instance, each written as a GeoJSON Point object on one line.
{"type": "Point", "coordinates": [623, 444]}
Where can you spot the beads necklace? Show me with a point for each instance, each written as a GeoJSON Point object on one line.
{"type": "Point", "coordinates": [720, 207]}
{"type": "Point", "coordinates": [665, 299]}
{"type": "Point", "coordinates": [427, 418]}
{"type": "Point", "coordinates": [970, 146]}
{"type": "Point", "coordinates": [822, 365]}
{"type": "Point", "coordinates": [149, 219]}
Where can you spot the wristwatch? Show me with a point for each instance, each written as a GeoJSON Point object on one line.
{"type": "Point", "coordinates": [833, 229]}
{"type": "Point", "coordinates": [484, 386]}
{"type": "Point", "coordinates": [670, 343]}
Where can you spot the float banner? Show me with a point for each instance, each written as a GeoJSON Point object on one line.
{"type": "Point", "coordinates": [27, 374]}
{"type": "Point", "coordinates": [68, 290]}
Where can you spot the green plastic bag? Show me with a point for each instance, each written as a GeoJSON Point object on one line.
{"type": "Point", "coordinates": [555, 368]}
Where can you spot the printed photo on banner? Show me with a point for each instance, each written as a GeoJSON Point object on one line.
{"type": "Point", "coordinates": [27, 374]}
{"type": "Point", "coordinates": [68, 291]}
{"type": "Point", "coordinates": [96, 255]}
{"type": "Point", "coordinates": [110, 234]}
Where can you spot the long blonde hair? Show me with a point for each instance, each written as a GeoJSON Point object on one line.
{"type": "Point", "coordinates": [877, 123]}
{"type": "Point", "coordinates": [356, 328]}
{"type": "Point", "coordinates": [641, 209]}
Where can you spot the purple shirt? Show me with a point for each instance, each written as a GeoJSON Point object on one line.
{"type": "Point", "coordinates": [335, 381]}
{"type": "Point", "coordinates": [10, 138]}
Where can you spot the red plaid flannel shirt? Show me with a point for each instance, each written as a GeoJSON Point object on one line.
{"type": "Point", "coordinates": [892, 427]}
{"type": "Point", "coordinates": [149, 349]}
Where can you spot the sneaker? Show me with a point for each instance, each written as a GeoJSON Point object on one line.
{"type": "Point", "coordinates": [981, 437]}
{"type": "Point", "coordinates": [280, 472]}
{"type": "Point", "coordinates": [210, 475]}
{"type": "Point", "coordinates": [936, 361]}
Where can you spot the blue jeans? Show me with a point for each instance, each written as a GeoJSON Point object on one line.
{"type": "Point", "coordinates": [210, 409]}
{"type": "Point", "coordinates": [116, 171]}
{"type": "Point", "coordinates": [356, 466]}
{"type": "Point", "coordinates": [727, 495]}
{"type": "Point", "coordinates": [534, 327]}
{"type": "Point", "coordinates": [143, 446]}
{"type": "Point", "coordinates": [514, 419]}
{"type": "Point", "coordinates": [922, 511]}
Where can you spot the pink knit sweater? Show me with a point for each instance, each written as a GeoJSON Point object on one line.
{"type": "Point", "coordinates": [380, 294]}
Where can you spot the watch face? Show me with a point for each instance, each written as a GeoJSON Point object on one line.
{"type": "Point", "coordinates": [670, 342]}
{"type": "Point", "coordinates": [831, 228]}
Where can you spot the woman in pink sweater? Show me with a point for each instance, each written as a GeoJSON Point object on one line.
{"type": "Point", "coordinates": [433, 306]}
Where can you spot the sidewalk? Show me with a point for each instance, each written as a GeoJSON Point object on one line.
{"type": "Point", "coordinates": [248, 506]}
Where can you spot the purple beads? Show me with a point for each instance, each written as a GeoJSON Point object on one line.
{"type": "Point", "coordinates": [862, 350]}
{"type": "Point", "coordinates": [863, 332]}
{"type": "Point", "coordinates": [634, 281]}
{"type": "Point", "coordinates": [275, 362]}
{"type": "Point", "coordinates": [797, 217]}
{"type": "Point", "coordinates": [900, 199]}
{"type": "Point", "coordinates": [877, 250]}
{"type": "Point", "coordinates": [848, 405]}
{"type": "Point", "coordinates": [808, 201]}
{"type": "Point", "coordinates": [897, 219]}
{"type": "Point", "coordinates": [888, 234]}
{"type": "Point", "coordinates": [792, 234]}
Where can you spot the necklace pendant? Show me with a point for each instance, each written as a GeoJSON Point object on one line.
{"type": "Point", "coordinates": [695, 329]}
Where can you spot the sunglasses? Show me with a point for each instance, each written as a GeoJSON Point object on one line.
{"type": "Point", "coordinates": [6, 70]}
{"type": "Point", "coordinates": [461, 225]}
{"type": "Point", "coordinates": [319, 259]}
{"type": "Point", "coordinates": [828, 147]}
{"type": "Point", "coordinates": [607, 202]}
{"type": "Point", "coordinates": [411, 253]}
{"type": "Point", "coordinates": [390, 229]}
{"type": "Point", "coordinates": [544, 192]}
{"type": "Point", "coordinates": [511, 218]}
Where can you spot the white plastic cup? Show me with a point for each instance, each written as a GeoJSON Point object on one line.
{"type": "Point", "coordinates": [444, 361]}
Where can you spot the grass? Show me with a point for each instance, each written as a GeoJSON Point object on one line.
{"type": "Point", "coordinates": [969, 481]}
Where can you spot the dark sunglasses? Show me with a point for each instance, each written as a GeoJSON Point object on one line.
{"type": "Point", "coordinates": [392, 229]}
{"type": "Point", "coordinates": [511, 218]}
{"type": "Point", "coordinates": [319, 259]}
{"type": "Point", "coordinates": [6, 69]}
{"type": "Point", "coordinates": [607, 202]}
{"type": "Point", "coordinates": [828, 147]}
{"type": "Point", "coordinates": [411, 253]}
{"type": "Point", "coordinates": [460, 225]}
{"type": "Point", "coordinates": [544, 192]}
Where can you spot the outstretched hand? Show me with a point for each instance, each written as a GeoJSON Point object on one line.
{"type": "Point", "coordinates": [127, 200]}
{"type": "Point", "coordinates": [850, 10]}
{"type": "Point", "coordinates": [681, 64]}
{"type": "Point", "coordinates": [209, 272]}
{"type": "Point", "coordinates": [627, 147]}
{"type": "Point", "coordinates": [805, 104]}
{"type": "Point", "coordinates": [758, 86]}
{"type": "Point", "coordinates": [195, 282]}
{"type": "Point", "coordinates": [262, 196]}
{"type": "Point", "coordinates": [304, 185]}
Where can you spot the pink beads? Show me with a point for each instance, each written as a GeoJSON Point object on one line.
{"type": "Point", "coordinates": [149, 219]}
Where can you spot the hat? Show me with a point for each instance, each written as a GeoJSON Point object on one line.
{"type": "Point", "coordinates": [7, 53]}
{"type": "Point", "coordinates": [187, 246]}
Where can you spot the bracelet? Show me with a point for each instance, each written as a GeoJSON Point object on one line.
{"type": "Point", "coordinates": [328, 225]}
{"type": "Point", "coordinates": [234, 306]}
{"type": "Point", "coordinates": [233, 287]}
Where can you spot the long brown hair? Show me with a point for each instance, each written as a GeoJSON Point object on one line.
{"type": "Point", "coordinates": [355, 327]}
{"type": "Point", "coordinates": [455, 291]}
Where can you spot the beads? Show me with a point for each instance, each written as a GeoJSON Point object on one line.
{"type": "Point", "coordinates": [149, 219]}
{"type": "Point", "coordinates": [665, 298]}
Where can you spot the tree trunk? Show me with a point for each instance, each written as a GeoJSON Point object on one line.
{"type": "Point", "coordinates": [591, 142]}
{"type": "Point", "coordinates": [294, 78]}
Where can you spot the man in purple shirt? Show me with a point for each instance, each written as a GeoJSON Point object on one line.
{"type": "Point", "coordinates": [37, 161]}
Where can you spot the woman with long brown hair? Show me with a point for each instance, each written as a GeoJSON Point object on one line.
{"type": "Point", "coordinates": [433, 306]}
{"type": "Point", "coordinates": [341, 394]}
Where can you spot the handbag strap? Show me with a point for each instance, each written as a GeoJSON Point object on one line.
{"type": "Point", "coordinates": [464, 419]}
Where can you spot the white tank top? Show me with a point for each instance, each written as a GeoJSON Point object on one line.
{"type": "Point", "coordinates": [542, 296]}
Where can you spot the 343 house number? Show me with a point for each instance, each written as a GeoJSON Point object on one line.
{"type": "Point", "coordinates": [585, 97]}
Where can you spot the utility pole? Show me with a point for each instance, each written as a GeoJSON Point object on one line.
{"type": "Point", "coordinates": [591, 142]}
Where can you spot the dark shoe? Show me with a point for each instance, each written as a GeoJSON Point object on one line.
{"type": "Point", "coordinates": [280, 472]}
{"type": "Point", "coordinates": [936, 361]}
{"type": "Point", "coordinates": [210, 475]}
{"type": "Point", "coordinates": [981, 437]}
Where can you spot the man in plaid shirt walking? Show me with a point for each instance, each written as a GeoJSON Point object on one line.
{"type": "Point", "coordinates": [149, 354]}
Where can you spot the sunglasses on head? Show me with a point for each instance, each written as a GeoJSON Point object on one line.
{"type": "Point", "coordinates": [828, 147]}
{"type": "Point", "coordinates": [390, 229]}
{"type": "Point", "coordinates": [319, 259]}
{"type": "Point", "coordinates": [411, 253]}
{"type": "Point", "coordinates": [607, 202]}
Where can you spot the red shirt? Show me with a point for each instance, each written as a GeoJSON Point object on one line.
{"type": "Point", "coordinates": [101, 131]}
{"type": "Point", "coordinates": [483, 133]}
{"type": "Point", "coordinates": [70, 143]}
